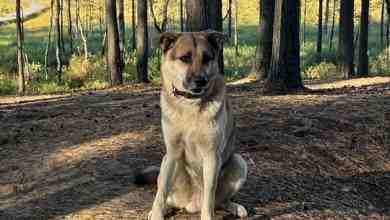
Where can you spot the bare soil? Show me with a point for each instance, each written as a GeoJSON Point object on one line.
{"type": "Point", "coordinates": [317, 154]}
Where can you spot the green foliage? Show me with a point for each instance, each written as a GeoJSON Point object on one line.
{"type": "Point", "coordinates": [238, 66]}
{"type": "Point", "coordinates": [8, 87]}
{"type": "Point", "coordinates": [323, 70]}
{"type": "Point", "coordinates": [380, 65]}
{"type": "Point", "coordinates": [81, 71]}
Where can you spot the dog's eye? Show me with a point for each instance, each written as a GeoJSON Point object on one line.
{"type": "Point", "coordinates": [207, 58]}
{"type": "Point", "coordinates": [186, 58]}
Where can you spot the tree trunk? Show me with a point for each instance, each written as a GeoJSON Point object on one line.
{"type": "Point", "coordinates": [62, 26]}
{"type": "Point", "coordinates": [70, 27]}
{"type": "Point", "coordinates": [59, 50]}
{"type": "Point", "coordinates": [319, 33]}
{"type": "Point", "coordinates": [77, 15]}
{"type": "Point", "coordinates": [230, 19]}
{"type": "Point", "coordinates": [236, 27]}
{"type": "Point", "coordinates": [363, 39]}
{"type": "Point", "coordinates": [382, 26]}
{"type": "Point", "coordinates": [284, 71]}
{"type": "Point", "coordinates": [19, 36]}
{"type": "Point", "coordinates": [142, 41]}
{"type": "Point", "coordinates": [304, 22]}
{"type": "Point", "coordinates": [345, 49]}
{"type": "Point", "coordinates": [113, 51]}
{"type": "Point", "coordinates": [203, 15]}
{"type": "Point", "coordinates": [326, 23]}
{"type": "Point", "coordinates": [264, 39]}
{"type": "Point", "coordinates": [333, 25]}
{"type": "Point", "coordinates": [181, 14]}
{"type": "Point", "coordinates": [197, 16]}
{"type": "Point", "coordinates": [49, 41]}
{"type": "Point", "coordinates": [134, 46]}
{"type": "Point", "coordinates": [121, 30]}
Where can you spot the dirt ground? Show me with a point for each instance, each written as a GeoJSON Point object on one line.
{"type": "Point", "coordinates": [321, 154]}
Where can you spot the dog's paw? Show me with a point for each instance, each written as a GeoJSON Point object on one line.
{"type": "Point", "coordinates": [235, 209]}
{"type": "Point", "coordinates": [241, 211]}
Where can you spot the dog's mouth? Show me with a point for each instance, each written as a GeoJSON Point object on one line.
{"type": "Point", "coordinates": [194, 94]}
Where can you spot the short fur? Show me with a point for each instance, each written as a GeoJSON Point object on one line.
{"type": "Point", "coordinates": [200, 171]}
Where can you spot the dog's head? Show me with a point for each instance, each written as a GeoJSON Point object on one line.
{"type": "Point", "coordinates": [190, 62]}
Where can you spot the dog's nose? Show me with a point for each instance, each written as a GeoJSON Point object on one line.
{"type": "Point", "coordinates": [201, 81]}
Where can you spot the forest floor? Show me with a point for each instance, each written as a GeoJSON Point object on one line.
{"type": "Point", "coordinates": [320, 154]}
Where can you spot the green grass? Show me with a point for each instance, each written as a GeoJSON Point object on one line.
{"type": "Point", "coordinates": [236, 67]}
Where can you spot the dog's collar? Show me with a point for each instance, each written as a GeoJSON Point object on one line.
{"type": "Point", "coordinates": [187, 95]}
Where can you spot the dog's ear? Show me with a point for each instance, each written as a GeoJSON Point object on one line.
{"type": "Point", "coordinates": [167, 40]}
{"type": "Point", "coordinates": [216, 39]}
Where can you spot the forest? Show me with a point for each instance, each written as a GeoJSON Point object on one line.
{"type": "Point", "coordinates": [80, 112]}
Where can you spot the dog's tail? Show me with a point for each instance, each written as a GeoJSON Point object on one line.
{"type": "Point", "coordinates": [148, 175]}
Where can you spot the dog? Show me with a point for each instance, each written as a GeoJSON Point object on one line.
{"type": "Point", "coordinates": [200, 170]}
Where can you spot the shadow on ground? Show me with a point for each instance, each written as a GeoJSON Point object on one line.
{"type": "Point", "coordinates": [309, 155]}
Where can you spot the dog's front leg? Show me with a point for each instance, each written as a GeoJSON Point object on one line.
{"type": "Point", "coordinates": [165, 181]}
{"type": "Point", "coordinates": [211, 167]}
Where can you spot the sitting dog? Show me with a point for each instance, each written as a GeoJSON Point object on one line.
{"type": "Point", "coordinates": [200, 170]}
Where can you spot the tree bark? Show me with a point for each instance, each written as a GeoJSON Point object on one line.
{"type": "Point", "coordinates": [121, 30]}
{"type": "Point", "coordinates": [142, 41]}
{"type": "Point", "coordinates": [181, 14]}
{"type": "Point", "coordinates": [59, 50]}
{"type": "Point", "coordinates": [326, 23]}
{"type": "Point", "coordinates": [382, 26]}
{"type": "Point", "coordinates": [284, 71]}
{"type": "Point", "coordinates": [62, 26]}
{"type": "Point", "coordinates": [345, 48]}
{"type": "Point", "coordinates": [230, 18]}
{"type": "Point", "coordinates": [264, 39]}
{"type": "Point", "coordinates": [133, 28]}
{"type": "Point", "coordinates": [304, 22]}
{"type": "Point", "coordinates": [319, 32]}
{"type": "Point", "coordinates": [70, 27]}
{"type": "Point", "coordinates": [113, 51]}
{"type": "Point", "coordinates": [203, 15]}
{"type": "Point", "coordinates": [333, 25]}
{"type": "Point", "coordinates": [363, 39]}
{"type": "Point", "coordinates": [19, 36]}
{"type": "Point", "coordinates": [49, 41]}
{"type": "Point", "coordinates": [197, 16]}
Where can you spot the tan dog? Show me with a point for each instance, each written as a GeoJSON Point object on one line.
{"type": "Point", "coordinates": [200, 171]}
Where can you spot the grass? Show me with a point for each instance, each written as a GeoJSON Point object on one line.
{"type": "Point", "coordinates": [236, 67]}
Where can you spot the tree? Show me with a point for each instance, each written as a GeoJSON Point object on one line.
{"type": "Point", "coordinates": [319, 33]}
{"type": "Point", "coordinates": [363, 39]}
{"type": "Point", "coordinates": [284, 71]}
{"type": "Point", "coordinates": [19, 36]}
{"type": "Point", "coordinates": [181, 14]}
{"type": "Point", "coordinates": [333, 24]}
{"type": "Point", "coordinates": [163, 27]}
{"type": "Point", "coordinates": [133, 45]}
{"type": "Point", "coordinates": [142, 41]}
{"type": "Point", "coordinates": [197, 18]}
{"type": "Point", "coordinates": [113, 51]}
{"type": "Point", "coordinates": [121, 30]}
{"type": "Point", "coordinates": [49, 40]}
{"type": "Point", "coordinates": [59, 48]}
{"type": "Point", "coordinates": [70, 27]}
{"type": "Point", "coordinates": [264, 39]}
{"type": "Point", "coordinates": [345, 47]}
{"type": "Point", "coordinates": [326, 23]}
{"type": "Point", "coordinates": [203, 15]}
{"type": "Point", "coordinates": [382, 23]}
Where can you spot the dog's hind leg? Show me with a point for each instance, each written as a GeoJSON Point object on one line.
{"type": "Point", "coordinates": [232, 178]}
